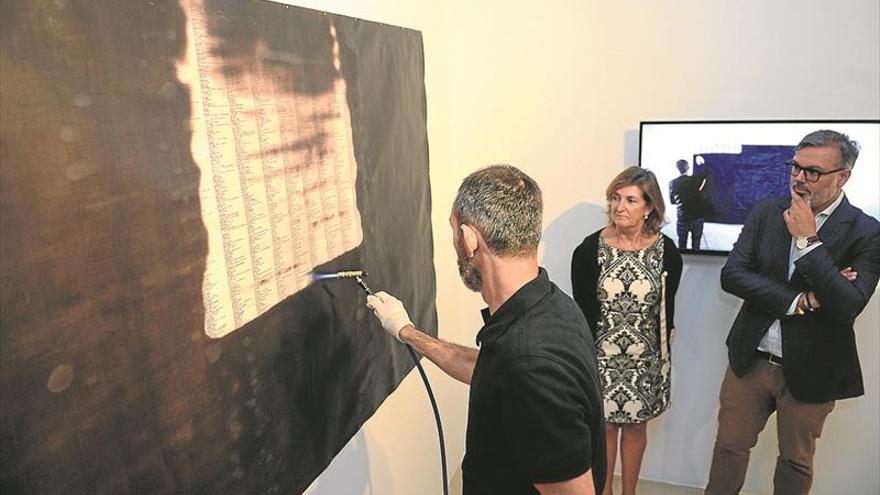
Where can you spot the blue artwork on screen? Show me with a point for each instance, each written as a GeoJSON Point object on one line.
{"type": "Point", "coordinates": [736, 182]}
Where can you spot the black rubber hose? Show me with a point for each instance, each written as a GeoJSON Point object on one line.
{"type": "Point", "coordinates": [415, 358]}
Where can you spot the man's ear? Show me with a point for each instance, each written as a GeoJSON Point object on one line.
{"type": "Point", "coordinates": [470, 238]}
{"type": "Point", "coordinates": [844, 177]}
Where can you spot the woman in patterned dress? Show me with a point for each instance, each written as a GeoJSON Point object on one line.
{"type": "Point", "coordinates": [624, 278]}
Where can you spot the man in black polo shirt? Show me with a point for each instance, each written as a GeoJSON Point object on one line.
{"type": "Point", "coordinates": [535, 420]}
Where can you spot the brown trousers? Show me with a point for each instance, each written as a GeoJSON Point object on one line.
{"type": "Point", "coordinates": [746, 403]}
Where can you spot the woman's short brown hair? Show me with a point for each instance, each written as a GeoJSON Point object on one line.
{"type": "Point", "coordinates": [647, 182]}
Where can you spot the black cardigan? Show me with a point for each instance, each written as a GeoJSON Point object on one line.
{"type": "Point", "coordinates": [585, 277]}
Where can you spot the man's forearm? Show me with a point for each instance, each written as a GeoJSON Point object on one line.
{"type": "Point", "coordinates": [840, 297]}
{"type": "Point", "coordinates": [770, 295]}
{"type": "Point", "coordinates": [455, 360]}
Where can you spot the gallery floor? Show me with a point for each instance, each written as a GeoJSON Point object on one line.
{"type": "Point", "coordinates": [645, 487]}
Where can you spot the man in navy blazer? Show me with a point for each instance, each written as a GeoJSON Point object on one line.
{"type": "Point", "coordinates": [805, 267]}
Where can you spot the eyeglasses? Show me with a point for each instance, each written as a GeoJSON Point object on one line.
{"type": "Point", "coordinates": [811, 174]}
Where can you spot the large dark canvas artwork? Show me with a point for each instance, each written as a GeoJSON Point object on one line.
{"type": "Point", "coordinates": [171, 174]}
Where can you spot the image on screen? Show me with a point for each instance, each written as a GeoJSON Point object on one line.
{"type": "Point", "coordinates": [713, 173]}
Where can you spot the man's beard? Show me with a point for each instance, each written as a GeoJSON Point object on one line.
{"type": "Point", "coordinates": [469, 272]}
{"type": "Point", "coordinates": [815, 198]}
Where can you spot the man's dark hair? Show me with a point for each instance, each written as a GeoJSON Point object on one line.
{"type": "Point", "coordinates": [849, 149]}
{"type": "Point", "coordinates": [505, 206]}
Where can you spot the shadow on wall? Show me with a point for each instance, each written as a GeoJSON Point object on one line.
{"type": "Point", "coordinates": [564, 234]}
{"type": "Point", "coordinates": [354, 462]}
{"type": "Point", "coordinates": [686, 433]}
{"type": "Point", "coordinates": [631, 147]}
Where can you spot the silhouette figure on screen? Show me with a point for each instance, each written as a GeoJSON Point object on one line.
{"type": "Point", "coordinates": [686, 191]}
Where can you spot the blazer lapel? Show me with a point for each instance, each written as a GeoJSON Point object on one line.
{"type": "Point", "coordinates": [780, 242]}
{"type": "Point", "coordinates": [834, 229]}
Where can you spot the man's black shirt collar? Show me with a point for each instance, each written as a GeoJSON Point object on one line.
{"type": "Point", "coordinates": [527, 296]}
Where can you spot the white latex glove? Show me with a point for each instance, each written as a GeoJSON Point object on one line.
{"type": "Point", "coordinates": [390, 312]}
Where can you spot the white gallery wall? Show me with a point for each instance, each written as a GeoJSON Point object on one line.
{"type": "Point", "coordinates": [558, 88]}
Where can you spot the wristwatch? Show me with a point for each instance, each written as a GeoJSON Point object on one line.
{"type": "Point", "coordinates": [802, 310]}
{"type": "Point", "coordinates": [805, 242]}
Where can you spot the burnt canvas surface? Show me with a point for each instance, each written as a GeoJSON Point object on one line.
{"type": "Point", "coordinates": [109, 382]}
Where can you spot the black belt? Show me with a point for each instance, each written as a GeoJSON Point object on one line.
{"type": "Point", "coordinates": [770, 358]}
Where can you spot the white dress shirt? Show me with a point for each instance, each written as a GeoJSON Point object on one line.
{"type": "Point", "coordinates": [772, 340]}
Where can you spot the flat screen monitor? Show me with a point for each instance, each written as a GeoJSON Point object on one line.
{"type": "Point", "coordinates": [732, 165]}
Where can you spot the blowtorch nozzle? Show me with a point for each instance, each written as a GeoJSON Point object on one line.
{"type": "Point", "coordinates": [337, 275]}
{"type": "Point", "coordinates": [357, 275]}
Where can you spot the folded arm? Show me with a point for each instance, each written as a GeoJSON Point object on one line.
{"type": "Point", "coordinates": [841, 297]}
{"type": "Point", "coordinates": [772, 296]}
{"type": "Point", "coordinates": [742, 276]}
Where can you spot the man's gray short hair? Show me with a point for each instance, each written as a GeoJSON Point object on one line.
{"type": "Point", "coordinates": [505, 206]}
{"type": "Point", "coordinates": [849, 149]}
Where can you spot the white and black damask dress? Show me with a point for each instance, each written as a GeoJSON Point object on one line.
{"type": "Point", "coordinates": [630, 311]}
